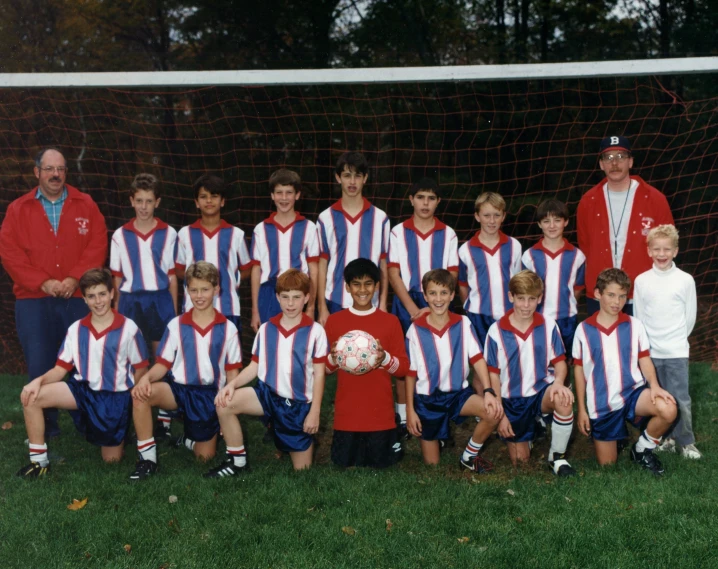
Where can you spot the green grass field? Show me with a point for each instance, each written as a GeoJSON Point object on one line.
{"type": "Point", "coordinates": [408, 516]}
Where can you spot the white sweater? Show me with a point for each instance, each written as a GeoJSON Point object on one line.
{"type": "Point", "coordinates": [665, 301]}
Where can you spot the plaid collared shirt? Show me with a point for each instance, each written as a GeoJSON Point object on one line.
{"type": "Point", "coordinates": [52, 209]}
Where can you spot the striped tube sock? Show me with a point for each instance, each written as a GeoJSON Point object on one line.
{"type": "Point", "coordinates": [647, 442]}
{"type": "Point", "coordinates": [560, 433]}
{"type": "Point", "coordinates": [238, 455]}
{"type": "Point", "coordinates": [472, 449]}
{"type": "Point", "coordinates": [38, 453]}
{"type": "Point", "coordinates": [147, 449]}
{"type": "Point", "coordinates": [164, 419]}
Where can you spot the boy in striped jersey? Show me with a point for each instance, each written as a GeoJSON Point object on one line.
{"type": "Point", "coordinates": [350, 229]}
{"type": "Point", "coordinates": [442, 350]}
{"type": "Point", "coordinates": [201, 347]}
{"type": "Point", "coordinates": [282, 241]}
{"type": "Point", "coordinates": [486, 264]}
{"type": "Point", "coordinates": [288, 357]}
{"type": "Point", "coordinates": [560, 266]}
{"type": "Point", "coordinates": [615, 378]}
{"type": "Point", "coordinates": [524, 351]}
{"type": "Point", "coordinates": [103, 348]}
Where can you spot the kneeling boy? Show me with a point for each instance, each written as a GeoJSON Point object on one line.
{"type": "Point", "coordinates": [615, 378]}
{"type": "Point", "coordinates": [103, 347]}
{"type": "Point", "coordinates": [521, 349]}
{"type": "Point", "coordinates": [201, 347]}
{"type": "Point", "coordinates": [288, 357]}
{"type": "Point", "coordinates": [440, 344]}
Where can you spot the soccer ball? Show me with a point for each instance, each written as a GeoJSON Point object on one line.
{"type": "Point", "coordinates": [356, 352]}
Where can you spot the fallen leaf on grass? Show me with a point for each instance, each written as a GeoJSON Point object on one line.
{"type": "Point", "coordinates": [568, 499]}
{"type": "Point", "coordinates": [389, 525]}
{"type": "Point", "coordinates": [77, 504]}
{"type": "Point", "coordinates": [519, 519]}
{"type": "Point", "coordinates": [87, 555]}
{"type": "Point", "coordinates": [629, 508]}
{"type": "Point", "coordinates": [510, 492]}
{"type": "Point", "coordinates": [127, 547]}
{"type": "Point", "coordinates": [349, 530]}
{"type": "Point", "coordinates": [173, 499]}
{"type": "Point", "coordinates": [463, 539]}
{"type": "Point", "coordinates": [7, 425]}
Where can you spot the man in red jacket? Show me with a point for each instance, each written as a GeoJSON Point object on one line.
{"type": "Point", "coordinates": [49, 238]}
{"type": "Point", "coordinates": [614, 218]}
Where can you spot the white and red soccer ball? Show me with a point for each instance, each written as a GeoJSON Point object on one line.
{"type": "Point", "coordinates": [356, 352]}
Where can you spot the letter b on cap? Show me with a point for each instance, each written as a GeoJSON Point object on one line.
{"type": "Point", "coordinates": [614, 141]}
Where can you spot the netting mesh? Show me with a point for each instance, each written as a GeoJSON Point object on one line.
{"type": "Point", "coordinates": [528, 140]}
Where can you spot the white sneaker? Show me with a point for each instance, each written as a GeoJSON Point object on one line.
{"type": "Point", "coordinates": [690, 451]}
{"type": "Point", "coordinates": [669, 445]}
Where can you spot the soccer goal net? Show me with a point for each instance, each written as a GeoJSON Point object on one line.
{"type": "Point", "coordinates": [527, 132]}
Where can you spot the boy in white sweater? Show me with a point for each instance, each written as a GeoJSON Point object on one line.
{"type": "Point", "coordinates": [665, 301]}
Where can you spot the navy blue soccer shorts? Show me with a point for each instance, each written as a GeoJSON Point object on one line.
{"type": "Point", "coordinates": [398, 310]}
{"type": "Point", "coordinates": [521, 413]}
{"type": "Point", "coordinates": [196, 403]}
{"type": "Point", "coordinates": [103, 416]}
{"type": "Point", "coordinates": [287, 417]}
{"type": "Point", "coordinates": [151, 310]}
{"type": "Point", "coordinates": [436, 410]}
{"type": "Point", "coordinates": [612, 427]}
{"type": "Point", "coordinates": [481, 323]}
{"type": "Point", "coordinates": [567, 327]}
{"type": "Point", "coordinates": [267, 302]}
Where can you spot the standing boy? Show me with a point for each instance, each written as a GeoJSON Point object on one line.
{"type": "Point", "coordinates": [560, 266]}
{"type": "Point", "coordinates": [364, 424]}
{"type": "Point", "coordinates": [416, 246]}
{"type": "Point", "coordinates": [615, 379]}
{"type": "Point", "coordinates": [524, 350]}
{"type": "Point", "coordinates": [288, 357]}
{"type": "Point", "coordinates": [201, 347]}
{"type": "Point", "coordinates": [103, 347]}
{"type": "Point", "coordinates": [440, 345]}
{"type": "Point", "coordinates": [282, 241]}
{"type": "Point", "coordinates": [486, 264]}
{"type": "Point", "coordinates": [665, 302]}
{"type": "Point", "coordinates": [350, 229]}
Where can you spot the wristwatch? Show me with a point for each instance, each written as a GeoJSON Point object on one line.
{"type": "Point", "coordinates": [490, 390]}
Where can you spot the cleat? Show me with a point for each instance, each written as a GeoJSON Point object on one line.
{"type": "Point", "coordinates": [647, 460]}
{"type": "Point", "coordinates": [690, 451]}
{"type": "Point", "coordinates": [161, 433]}
{"type": "Point", "coordinates": [226, 469]}
{"type": "Point", "coordinates": [144, 469]}
{"type": "Point", "coordinates": [477, 464]}
{"type": "Point", "coordinates": [33, 470]}
{"type": "Point", "coordinates": [560, 466]}
{"type": "Point", "coordinates": [669, 445]}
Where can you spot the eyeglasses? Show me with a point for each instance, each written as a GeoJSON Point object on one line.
{"type": "Point", "coordinates": [617, 157]}
{"type": "Point", "coordinates": [50, 169]}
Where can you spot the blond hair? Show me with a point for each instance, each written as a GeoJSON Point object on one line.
{"type": "Point", "coordinates": [492, 198]}
{"type": "Point", "coordinates": [663, 232]}
{"type": "Point", "coordinates": [203, 271]}
{"type": "Point", "coordinates": [526, 282]}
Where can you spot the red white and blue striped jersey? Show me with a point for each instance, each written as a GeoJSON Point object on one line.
{"type": "Point", "coordinates": [522, 359]}
{"type": "Point", "coordinates": [487, 273]}
{"type": "Point", "coordinates": [415, 253]}
{"type": "Point", "coordinates": [442, 359]}
{"type": "Point", "coordinates": [562, 273]}
{"type": "Point", "coordinates": [276, 249]}
{"type": "Point", "coordinates": [609, 357]}
{"type": "Point", "coordinates": [343, 238]}
{"type": "Point", "coordinates": [286, 358]}
{"type": "Point", "coordinates": [144, 261]}
{"type": "Point", "coordinates": [199, 356]}
{"type": "Point", "coordinates": [104, 359]}
{"type": "Point", "coordinates": [226, 249]}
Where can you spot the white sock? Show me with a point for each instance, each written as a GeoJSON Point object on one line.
{"type": "Point", "coordinates": [147, 449]}
{"type": "Point", "coordinates": [238, 455]}
{"type": "Point", "coordinates": [188, 443]}
{"type": "Point", "coordinates": [164, 418]}
{"type": "Point", "coordinates": [38, 453]}
{"type": "Point", "coordinates": [560, 433]}
{"type": "Point", "coordinates": [471, 450]}
{"type": "Point", "coordinates": [647, 442]}
{"type": "Point", "coordinates": [400, 408]}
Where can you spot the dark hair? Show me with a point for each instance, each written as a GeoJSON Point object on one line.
{"type": "Point", "coordinates": [355, 161]}
{"type": "Point", "coordinates": [39, 155]}
{"type": "Point", "coordinates": [441, 277]}
{"type": "Point", "coordinates": [145, 181]}
{"type": "Point", "coordinates": [425, 185]}
{"type": "Point", "coordinates": [95, 277]}
{"type": "Point", "coordinates": [552, 207]}
{"type": "Point", "coordinates": [359, 268]}
{"type": "Point", "coordinates": [292, 279]}
{"type": "Point", "coordinates": [284, 177]}
{"type": "Point", "coordinates": [213, 184]}
{"type": "Point", "coordinates": [613, 275]}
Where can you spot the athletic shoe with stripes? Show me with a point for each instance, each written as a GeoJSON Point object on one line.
{"type": "Point", "coordinates": [560, 466]}
{"type": "Point", "coordinates": [33, 470]}
{"type": "Point", "coordinates": [143, 469]}
{"type": "Point", "coordinates": [226, 469]}
{"type": "Point", "coordinates": [647, 460]}
{"type": "Point", "coordinates": [477, 464]}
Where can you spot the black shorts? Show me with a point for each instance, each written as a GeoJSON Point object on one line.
{"type": "Point", "coordinates": [375, 449]}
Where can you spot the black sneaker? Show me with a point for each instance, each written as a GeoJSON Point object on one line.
{"type": "Point", "coordinates": [560, 466]}
{"type": "Point", "coordinates": [647, 460]}
{"type": "Point", "coordinates": [477, 464]}
{"type": "Point", "coordinates": [144, 469]}
{"type": "Point", "coordinates": [33, 470]}
{"type": "Point", "coordinates": [226, 469]}
{"type": "Point", "coordinates": [161, 433]}
{"type": "Point", "coordinates": [402, 432]}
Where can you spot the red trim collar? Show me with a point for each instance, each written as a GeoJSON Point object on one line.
{"type": "Point", "coordinates": [423, 321]}
{"type": "Point", "coordinates": [283, 228]}
{"type": "Point", "coordinates": [593, 321]}
{"type": "Point", "coordinates": [305, 321]}
{"type": "Point", "coordinates": [130, 226]}
{"type": "Point", "coordinates": [117, 322]}
{"type": "Point", "coordinates": [438, 226]}
{"type": "Point", "coordinates": [337, 206]}
{"type": "Point", "coordinates": [186, 319]}
{"type": "Point", "coordinates": [474, 242]}
{"type": "Point", "coordinates": [566, 247]}
{"type": "Point", "coordinates": [198, 225]}
{"type": "Point", "coordinates": [505, 324]}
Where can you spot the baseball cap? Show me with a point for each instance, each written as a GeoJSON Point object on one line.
{"type": "Point", "coordinates": [615, 143]}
